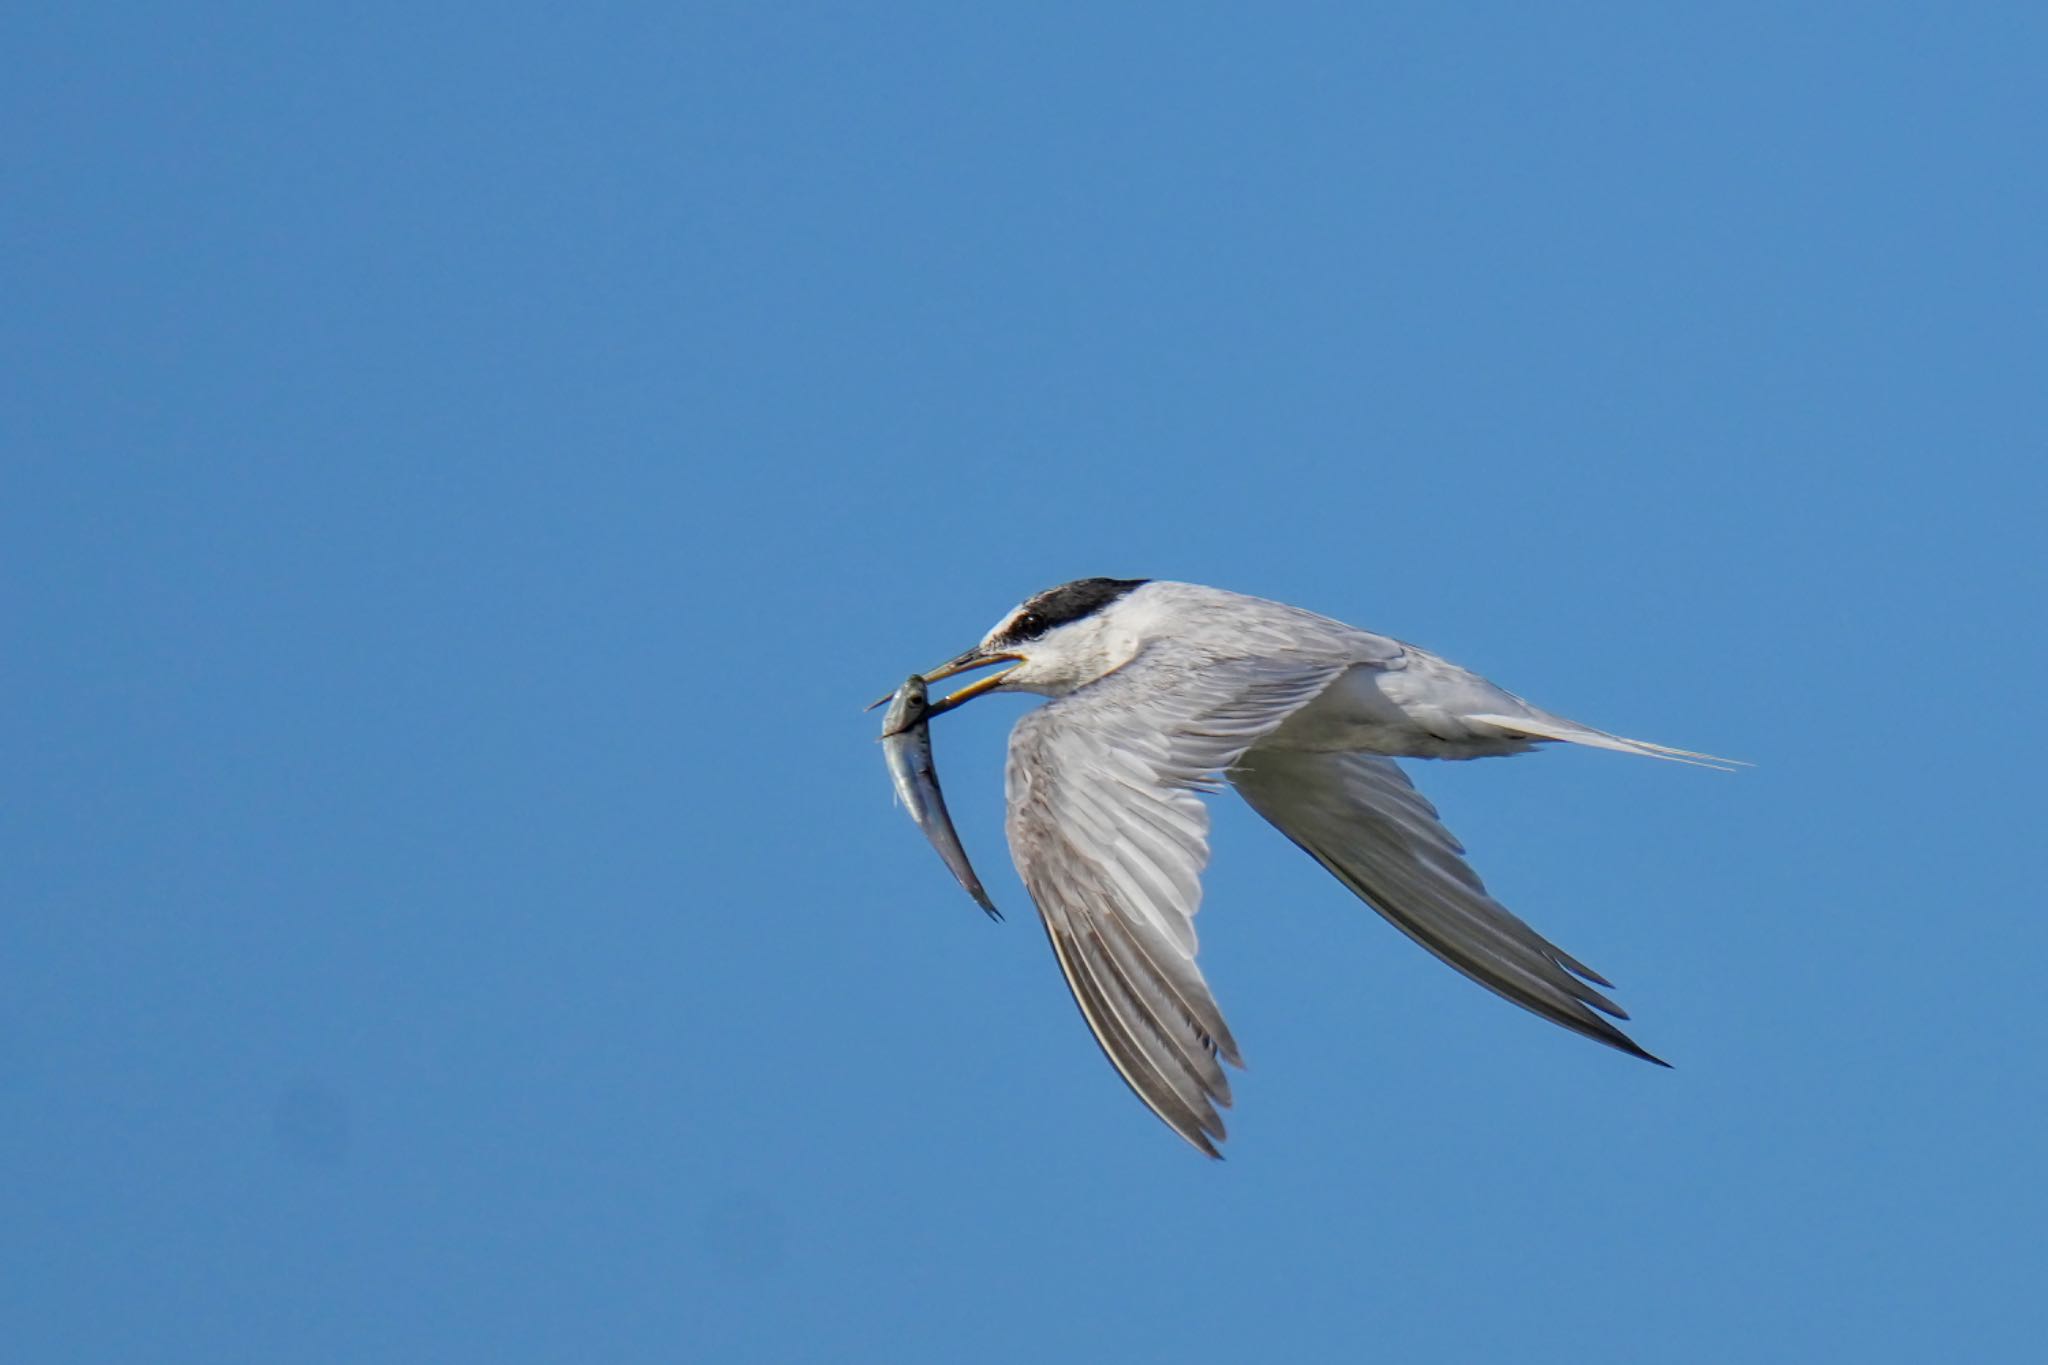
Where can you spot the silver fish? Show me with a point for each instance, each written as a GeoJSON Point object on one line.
{"type": "Point", "coordinates": [907, 744]}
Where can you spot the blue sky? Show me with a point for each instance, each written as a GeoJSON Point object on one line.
{"type": "Point", "coordinates": [461, 474]}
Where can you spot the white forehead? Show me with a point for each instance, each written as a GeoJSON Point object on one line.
{"type": "Point", "coordinates": [1008, 619]}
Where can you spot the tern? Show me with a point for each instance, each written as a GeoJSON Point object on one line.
{"type": "Point", "coordinates": [1162, 691]}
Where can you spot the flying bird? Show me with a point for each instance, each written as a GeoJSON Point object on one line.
{"type": "Point", "coordinates": [1162, 691]}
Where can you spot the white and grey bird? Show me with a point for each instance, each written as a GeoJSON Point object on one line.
{"type": "Point", "coordinates": [1162, 689]}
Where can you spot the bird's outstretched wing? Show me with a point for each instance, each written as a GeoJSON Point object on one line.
{"type": "Point", "coordinates": [1110, 836]}
{"type": "Point", "coordinates": [1360, 817]}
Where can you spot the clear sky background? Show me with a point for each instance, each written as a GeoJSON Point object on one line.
{"type": "Point", "coordinates": [465, 471]}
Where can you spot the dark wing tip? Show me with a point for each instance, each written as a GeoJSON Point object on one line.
{"type": "Point", "coordinates": [1573, 965]}
{"type": "Point", "coordinates": [1629, 1045]}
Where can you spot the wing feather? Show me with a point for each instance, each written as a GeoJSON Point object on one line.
{"type": "Point", "coordinates": [1362, 819]}
{"type": "Point", "coordinates": [1110, 836]}
{"type": "Point", "coordinates": [1141, 1068]}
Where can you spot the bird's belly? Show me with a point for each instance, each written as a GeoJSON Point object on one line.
{"type": "Point", "coordinates": [1393, 712]}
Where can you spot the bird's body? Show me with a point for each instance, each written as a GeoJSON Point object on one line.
{"type": "Point", "coordinates": [1159, 690]}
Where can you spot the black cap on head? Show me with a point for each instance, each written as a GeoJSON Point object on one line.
{"type": "Point", "coordinates": [1067, 602]}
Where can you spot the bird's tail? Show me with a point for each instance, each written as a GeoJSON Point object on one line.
{"type": "Point", "coordinates": [1541, 726]}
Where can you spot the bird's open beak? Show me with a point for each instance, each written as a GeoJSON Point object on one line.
{"type": "Point", "coordinates": [966, 663]}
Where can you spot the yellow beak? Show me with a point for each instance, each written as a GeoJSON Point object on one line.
{"type": "Point", "coordinates": [966, 663]}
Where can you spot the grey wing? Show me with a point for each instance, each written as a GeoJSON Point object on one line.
{"type": "Point", "coordinates": [1110, 836]}
{"type": "Point", "coordinates": [1362, 819]}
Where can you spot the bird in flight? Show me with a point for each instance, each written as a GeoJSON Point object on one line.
{"type": "Point", "coordinates": [1160, 692]}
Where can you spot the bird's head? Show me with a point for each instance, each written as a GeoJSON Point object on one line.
{"type": "Point", "coordinates": [1054, 642]}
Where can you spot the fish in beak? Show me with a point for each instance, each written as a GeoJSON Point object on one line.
{"type": "Point", "coordinates": [973, 660]}
{"type": "Point", "coordinates": [907, 745]}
